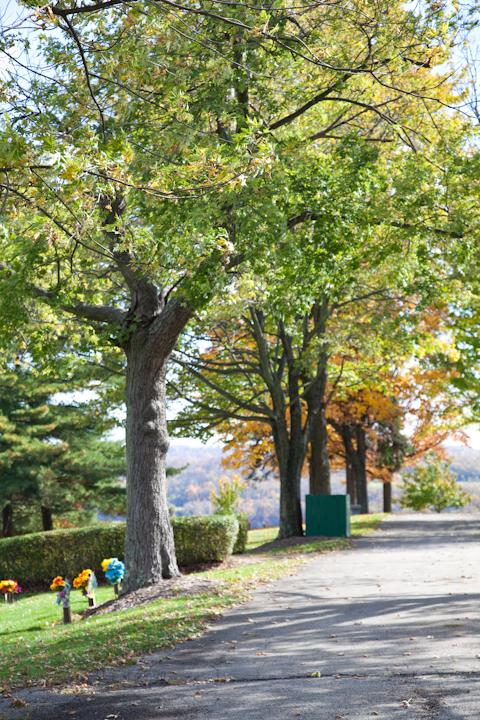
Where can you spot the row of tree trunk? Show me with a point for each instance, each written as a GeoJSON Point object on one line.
{"type": "Point", "coordinates": [354, 441]}
{"type": "Point", "coordinates": [7, 519]}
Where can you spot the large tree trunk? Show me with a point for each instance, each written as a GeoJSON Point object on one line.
{"type": "Point", "coordinates": [319, 460]}
{"type": "Point", "coordinates": [290, 463]}
{"type": "Point", "coordinates": [47, 521]}
{"type": "Point", "coordinates": [149, 546]}
{"type": "Point", "coordinates": [290, 507]}
{"type": "Point", "coordinates": [7, 518]}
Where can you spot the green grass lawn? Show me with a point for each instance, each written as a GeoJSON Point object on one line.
{"type": "Point", "coordinates": [360, 525]}
{"type": "Point", "coordinates": [36, 648]}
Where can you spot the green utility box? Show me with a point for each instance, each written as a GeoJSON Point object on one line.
{"type": "Point", "coordinates": [327, 515]}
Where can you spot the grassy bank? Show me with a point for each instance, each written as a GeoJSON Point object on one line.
{"type": "Point", "coordinates": [36, 648]}
{"type": "Point", "coordinates": [360, 525]}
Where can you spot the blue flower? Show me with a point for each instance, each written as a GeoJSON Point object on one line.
{"type": "Point", "coordinates": [115, 571]}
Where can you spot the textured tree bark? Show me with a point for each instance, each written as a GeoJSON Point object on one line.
{"type": "Point", "coordinates": [351, 482]}
{"type": "Point", "coordinates": [47, 520]}
{"type": "Point", "coordinates": [387, 497]}
{"type": "Point", "coordinates": [149, 545]}
{"type": "Point", "coordinates": [290, 470]}
{"type": "Point", "coordinates": [319, 460]}
{"type": "Point", "coordinates": [7, 518]}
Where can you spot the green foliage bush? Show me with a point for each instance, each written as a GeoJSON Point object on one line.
{"type": "Point", "coordinates": [241, 541]}
{"type": "Point", "coordinates": [431, 485]}
{"type": "Point", "coordinates": [204, 538]}
{"type": "Point", "coordinates": [34, 560]}
{"type": "Point", "coordinates": [227, 500]}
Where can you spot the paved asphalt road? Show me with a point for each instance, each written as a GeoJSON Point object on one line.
{"type": "Point", "coordinates": [391, 627]}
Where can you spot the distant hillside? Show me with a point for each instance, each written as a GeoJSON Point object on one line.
{"type": "Point", "coordinates": [466, 463]}
{"type": "Point", "coordinates": [189, 492]}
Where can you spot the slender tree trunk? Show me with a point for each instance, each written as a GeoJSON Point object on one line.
{"type": "Point", "coordinates": [47, 520]}
{"type": "Point", "coordinates": [290, 507]}
{"type": "Point", "coordinates": [351, 482]}
{"type": "Point", "coordinates": [387, 497]}
{"type": "Point", "coordinates": [7, 518]}
{"type": "Point", "coordinates": [360, 465]}
{"type": "Point", "coordinates": [319, 460]}
{"type": "Point", "coordinates": [290, 465]}
{"type": "Point", "coordinates": [357, 457]}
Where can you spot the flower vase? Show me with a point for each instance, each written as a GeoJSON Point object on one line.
{"type": "Point", "coordinates": [91, 601]}
{"type": "Point", "coordinates": [115, 589]}
{"type": "Point", "coordinates": [10, 598]}
{"type": "Point", "coordinates": [67, 616]}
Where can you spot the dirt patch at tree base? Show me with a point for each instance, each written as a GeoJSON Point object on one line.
{"type": "Point", "coordinates": [172, 587]}
{"type": "Point", "coordinates": [290, 542]}
{"type": "Point", "coordinates": [189, 583]}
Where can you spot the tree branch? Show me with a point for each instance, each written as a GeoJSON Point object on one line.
{"type": "Point", "coordinates": [314, 101]}
{"type": "Point", "coordinates": [76, 39]}
{"type": "Point", "coordinates": [98, 313]}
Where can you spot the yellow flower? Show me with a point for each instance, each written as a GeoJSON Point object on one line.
{"type": "Point", "coordinates": [58, 583]}
{"type": "Point", "coordinates": [106, 563]}
{"type": "Point", "coordinates": [82, 580]}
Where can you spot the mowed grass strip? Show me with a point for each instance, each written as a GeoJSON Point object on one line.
{"type": "Point", "coordinates": [360, 525]}
{"type": "Point", "coordinates": [36, 648]}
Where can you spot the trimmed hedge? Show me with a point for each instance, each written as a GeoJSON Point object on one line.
{"type": "Point", "coordinates": [204, 538]}
{"type": "Point", "coordinates": [241, 541]}
{"type": "Point", "coordinates": [35, 559]}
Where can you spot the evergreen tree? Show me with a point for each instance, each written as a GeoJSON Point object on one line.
{"type": "Point", "coordinates": [54, 459]}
